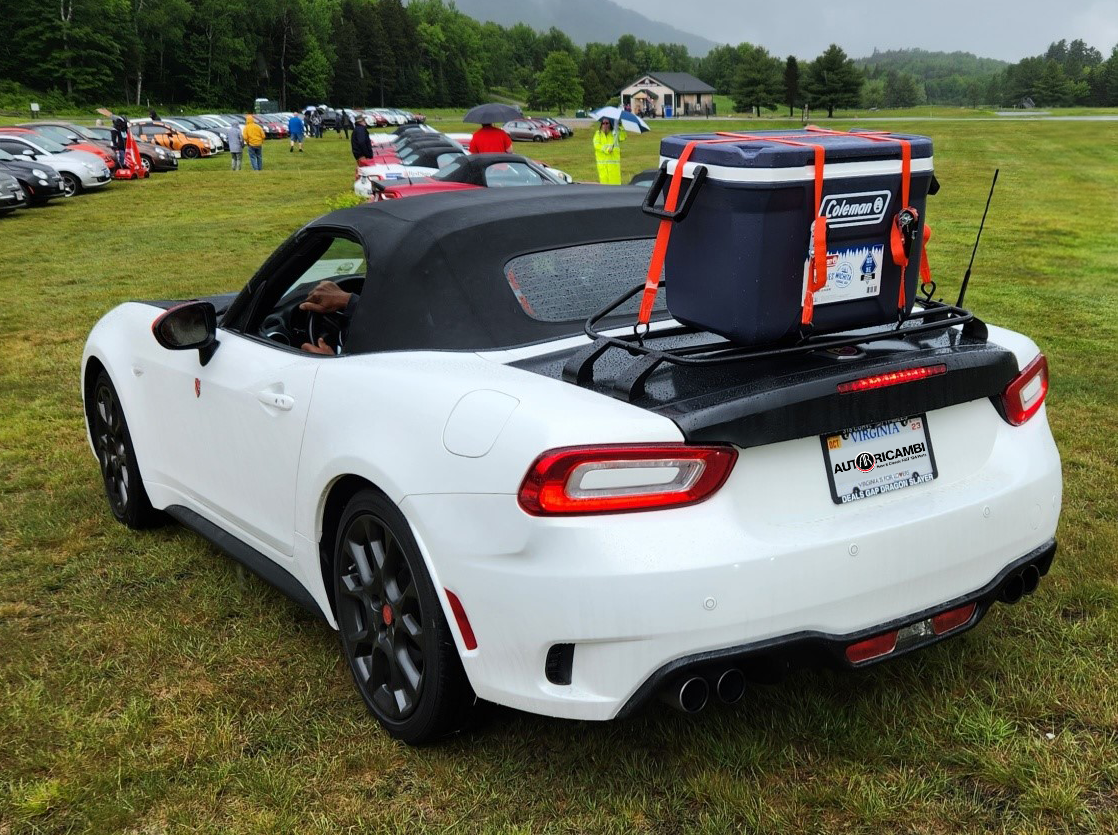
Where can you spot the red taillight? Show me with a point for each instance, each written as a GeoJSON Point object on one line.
{"type": "Point", "coordinates": [621, 478]}
{"type": "Point", "coordinates": [874, 647]}
{"type": "Point", "coordinates": [1024, 396]}
{"type": "Point", "coordinates": [468, 639]}
{"type": "Point", "coordinates": [892, 378]}
{"type": "Point", "coordinates": [946, 621]}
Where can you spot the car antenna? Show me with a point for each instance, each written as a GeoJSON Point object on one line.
{"type": "Point", "coordinates": [966, 275]}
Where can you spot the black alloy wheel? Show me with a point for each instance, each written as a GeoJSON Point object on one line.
{"type": "Point", "coordinates": [537, 138]}
{"type": "Point", "coordinates": [394, 636]}
{"type": "Point", "coordinates": [190, 152]}
{"type": "Point", "coordinates": [71, 185]}
{"type": "Point", "coordinates": [117, 459]}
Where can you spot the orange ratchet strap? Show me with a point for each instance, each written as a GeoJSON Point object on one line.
{"type": "Point", "coordinates": [903, 229]}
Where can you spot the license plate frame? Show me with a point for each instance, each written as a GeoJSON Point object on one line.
{"type": "Point", "coordinates": [895, 464]}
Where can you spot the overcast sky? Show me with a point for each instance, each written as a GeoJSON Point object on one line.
{"type": "Point", "coordinates": [1006, 29]}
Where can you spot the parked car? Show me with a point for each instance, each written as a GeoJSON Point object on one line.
{"type": "Point", "coordinates": [40, 182]}
{"type": "Point", "coordinates": [524, 131]}
{"type": "Point", "coordinates": [79, 170]}
{"type": "Point", "coordinates": [475, 171]}
{"type": "Point", "coordinates": [418, 163]}
{"type": "Point", "coordinates": [69, 140]}
{"type": "Point", "coordinates": [11, 194]}
{"type": "Point", "coordinates": [480, 516]}
{"type": "Point", "coordinates": [173, 139]}
{"type": "Point", "coordinates": [212, 142]}
{"type": "Point", "coordinates": [551, 131]}
{"type": "Point", "coordinates": [152, 157]}
{"type": "Point", "coordinates": [565, 131]}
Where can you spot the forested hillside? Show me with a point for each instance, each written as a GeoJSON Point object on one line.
{"type": "Point", "coordinates": [427, 53]}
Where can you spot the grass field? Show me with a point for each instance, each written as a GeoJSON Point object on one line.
{"type": "Point", "coordinates": [148, 686]}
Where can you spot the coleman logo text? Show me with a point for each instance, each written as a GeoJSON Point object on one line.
{"type": "Point", "coordinates": [861, 209]}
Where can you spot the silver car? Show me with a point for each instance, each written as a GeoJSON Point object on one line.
{"type": "Point", "coordinates": [80, 170]}
{"type": "Point", "coordinates": [526, 131]}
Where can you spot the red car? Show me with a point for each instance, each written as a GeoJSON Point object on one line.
{"type": "Point", "coordinates": [551, 131]}
{"type": "Point", "coordinates": [64, 137]}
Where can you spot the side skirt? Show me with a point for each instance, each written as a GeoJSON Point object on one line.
{"type": "Point", "coordinates": [247, 556]}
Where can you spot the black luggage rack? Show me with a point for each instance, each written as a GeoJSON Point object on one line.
{"type": "Point", "coordinates": [629, 384]}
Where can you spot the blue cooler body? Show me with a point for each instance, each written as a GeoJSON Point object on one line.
{"type": "Point", "coordinates": [737, 264]}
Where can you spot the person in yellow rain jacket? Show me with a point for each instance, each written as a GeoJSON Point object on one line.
{"type": "Point", "coordinates": [607, 152]}
{"type": "Point", "coordinates": [254, 138]}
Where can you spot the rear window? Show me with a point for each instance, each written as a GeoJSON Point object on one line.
{"type": "Point", "coordinates": [573, 283]}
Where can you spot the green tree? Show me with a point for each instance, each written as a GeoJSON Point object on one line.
{"type": "Point", "coordinates": [833, 81]}
{"type": "Point", "coordinates": [792, 84]}
{"type": "Point", "coordinates": [558, 85]}
{"type": "Point", "coordinates": [901, 90]}
{"type": "Point", "coordinates": [757, 82]}
{"type": "Point", "coordinates": [311, 76]}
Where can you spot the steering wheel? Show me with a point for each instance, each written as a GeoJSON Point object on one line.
{"type": "Point", "coordinates": [330, 327]}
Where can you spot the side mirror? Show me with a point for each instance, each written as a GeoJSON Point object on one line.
{"type": "Point", "coordinates": [186, 326]}
{"type": "Point", "coordinates": [28, 152]}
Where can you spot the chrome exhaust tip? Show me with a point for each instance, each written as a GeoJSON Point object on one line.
{"type": "Point", "coordinates": [731, 686]}
{"type": "Point", "coordinates": [688, 697]}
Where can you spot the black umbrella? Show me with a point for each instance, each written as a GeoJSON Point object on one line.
{"type": "Point", "coordinates": [487, 114]}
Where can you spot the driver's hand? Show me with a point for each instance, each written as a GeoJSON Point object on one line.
{"type": "Point", "coordinates": [320, 348]}
{"type": "Point", "coordinates": [327, 297]}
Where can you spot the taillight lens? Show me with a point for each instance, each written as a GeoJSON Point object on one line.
{"type": "Point", "coordinates": [622, 478]}
{"type": "Point", "coordinates": [1024, 396]}
{"type": "Point", "coordinates": [874, 647]}
{"type": "Point", "coordinates": [944, 622]}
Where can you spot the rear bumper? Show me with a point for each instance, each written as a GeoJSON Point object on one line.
{"type": "Point", "coordinates": [769, 659]}
{"type": "Point", "coordinates": [768, 560]}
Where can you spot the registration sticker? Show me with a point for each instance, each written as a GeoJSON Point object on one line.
{"type": "Point", "coordinates": [878, 458]}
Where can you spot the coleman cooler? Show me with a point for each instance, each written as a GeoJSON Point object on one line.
{"type": "Point", "coordinates": [740, 260]}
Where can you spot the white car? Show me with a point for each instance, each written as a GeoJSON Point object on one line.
{"type": "Point", "coordinates": [488, 505]}
{"type": "Point", "coordinates": [79, 170]}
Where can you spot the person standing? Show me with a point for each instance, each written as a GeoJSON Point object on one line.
{"type": "Point", "coordinates": [345, 122]}
{"type": "Point", "coordinates": [490, 140]}
{"type": "Point", "coordinates": [254, 139]}
{"type": "Point", "coordinates": [360, 143]}
{"type": "Point", "coordinates": [607, 152]}
{"type": "Point", "coordinates": [295, 129]}
{"type": "Point", "coordinates": [316, 125]}
{"type": "Point", "coordinates": [236, 145]}
{"type": "Point", "coordinates": [119, 139]}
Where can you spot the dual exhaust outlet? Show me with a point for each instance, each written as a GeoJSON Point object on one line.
{"type": "Point", "coordinates": [691, 695]}
{"type": "Point", "coordinates": [1020, 584]}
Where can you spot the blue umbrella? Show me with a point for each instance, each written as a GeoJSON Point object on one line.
{"type": "Point", "coordinates": [631, 119]}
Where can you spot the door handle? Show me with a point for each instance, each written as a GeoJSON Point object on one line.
{"type": "Point", "coordinates": [276, 400]}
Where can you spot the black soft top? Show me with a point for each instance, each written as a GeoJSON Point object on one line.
{"type": "Point", "coordinates": [436, 263]}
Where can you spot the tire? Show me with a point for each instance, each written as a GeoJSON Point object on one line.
{"type": "Point", "coordinates": [190, 152]}
{"type": "Point", "coordinates": [71, 184]}
{"type": "Point", "coordinates": [116, 457]}
{"type": "Point", "coordinates": [394, 636]}
{"type": "Point", "coordinates": [146, 163]}
{"type": "Point", "coordinates": [537, 138]}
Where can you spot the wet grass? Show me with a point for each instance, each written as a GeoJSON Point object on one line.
{"type": "Point", "coordinates": [148, 686]}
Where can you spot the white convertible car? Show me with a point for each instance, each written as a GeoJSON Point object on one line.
{"type": "Point", "coordinates": [489, 503]}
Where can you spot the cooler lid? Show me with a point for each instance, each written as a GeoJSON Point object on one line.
{"type": "Point", "coordinates": [765, 153]}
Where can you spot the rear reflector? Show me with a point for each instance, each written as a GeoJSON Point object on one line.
{"type": "Point", "coordinates": [1024, 396]}
{"type": "Point", "coordinates": [622, 478]}
{"type": "Point", "coordinates": [874, 647]}
{"type": "Point", "coordinates": [946, 621]}
{"type": "Point", "coordinates": [467, 631]}
{"type": "Point", "coordinates": [892, 378]}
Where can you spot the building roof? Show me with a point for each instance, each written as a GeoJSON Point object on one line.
{"type": "Point", "coordinates": [680, 82]}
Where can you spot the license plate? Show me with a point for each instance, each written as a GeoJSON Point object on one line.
{"type": "Point", "coordinates": [878, 458]}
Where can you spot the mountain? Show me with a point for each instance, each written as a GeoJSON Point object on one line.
{"type": "Point", "coordinates": [585, 21]}
{"type": "Point", "coordinates": [930, 65]}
